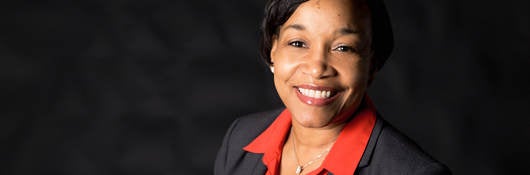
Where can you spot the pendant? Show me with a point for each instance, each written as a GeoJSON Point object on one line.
{"type": "Point", "coordinates": [298, 170]}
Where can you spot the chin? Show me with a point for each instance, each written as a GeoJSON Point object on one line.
{"type": "Point", "coordinates": [312, 119]}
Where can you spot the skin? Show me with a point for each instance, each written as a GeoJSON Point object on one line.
{"type": "Point", "coordinates": [322, 44]}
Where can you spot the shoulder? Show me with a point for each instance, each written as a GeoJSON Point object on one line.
{"type": "Point", "coordinates": [395, 153]}
{"type": "Point", "coordinates": [246, 128]}
{"type": "Point", "coordinates": [231, 158]}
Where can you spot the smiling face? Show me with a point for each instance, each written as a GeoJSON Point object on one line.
{"type": "Point", "coordinates": [321, 61]}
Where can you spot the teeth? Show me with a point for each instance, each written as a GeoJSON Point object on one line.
{"type": "Point", "coordinates": [314, 93]}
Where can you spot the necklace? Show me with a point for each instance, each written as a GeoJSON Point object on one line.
{"type": "Point", "coordinates": [299, 167]}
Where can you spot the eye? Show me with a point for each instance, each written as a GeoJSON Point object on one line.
{"type": "Point", "coordinates": [297, 44]}
{"type": "Point", "coordinates": [344, 48]}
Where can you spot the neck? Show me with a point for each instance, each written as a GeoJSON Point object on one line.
{"type": "Point", "coordinates": [309, 146]}
{"type": "Point", "coordinates": [314, 138]}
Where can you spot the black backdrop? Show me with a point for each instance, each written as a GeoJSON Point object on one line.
{"type": "Point", "coordinates": [149, 87]}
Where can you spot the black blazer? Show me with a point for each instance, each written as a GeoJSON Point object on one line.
{"type": "Point", "coordinates": [388, 151]}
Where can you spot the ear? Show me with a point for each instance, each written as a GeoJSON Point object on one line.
{"type": "Point", "coordinates": [273, 48]}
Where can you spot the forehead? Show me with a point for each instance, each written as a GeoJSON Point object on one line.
{"type": "Point", "coordinates": [328, 14]}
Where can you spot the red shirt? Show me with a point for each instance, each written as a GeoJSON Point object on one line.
{"type": "Point", "coordinates": [346, 151]}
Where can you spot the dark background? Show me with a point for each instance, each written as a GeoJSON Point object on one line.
{"type": "Point", "coordinates": [150, 86]}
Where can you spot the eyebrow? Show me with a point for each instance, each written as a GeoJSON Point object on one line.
{"type": "Point", "coordinates": [342, 31]}
{"type": "Point", "coordinates": [295, 26]}
{"type": "Point", "coordinates": [345, 31]}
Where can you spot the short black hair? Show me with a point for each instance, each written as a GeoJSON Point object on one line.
{"type": "Point", "coordinates": [278, 11]}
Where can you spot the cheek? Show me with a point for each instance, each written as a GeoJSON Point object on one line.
{"type": "Point", "coordinates": [354, 74]}
{"type": "Point", "coordinates": [282, 76]}
{"type": "Point", "coordinates": [285, 66]}
{"type": "Point", "coordinates": [284, 71]}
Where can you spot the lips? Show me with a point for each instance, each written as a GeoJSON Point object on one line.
{"type": "Point", "coordinates": [316, 95]}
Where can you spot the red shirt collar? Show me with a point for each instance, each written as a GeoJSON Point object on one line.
{"type": "Point", "coordinates": [352, 141]}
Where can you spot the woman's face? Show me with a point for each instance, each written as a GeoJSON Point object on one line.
{"type": "Point", "coordinates": [319, 63]}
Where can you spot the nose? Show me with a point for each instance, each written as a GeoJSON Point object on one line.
{"type": "Point", "coordinates": [317, 65]}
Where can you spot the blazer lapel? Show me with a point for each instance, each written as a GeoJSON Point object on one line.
{"type": "Point", "coordinates": [259, 169]}
{"type": "Point", "coordinates": [367, 155]}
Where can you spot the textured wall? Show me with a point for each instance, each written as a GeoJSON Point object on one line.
{"type": "Point", "coordinates": [149, 87]}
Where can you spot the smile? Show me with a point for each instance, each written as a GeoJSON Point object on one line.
{"type": "Point", "coordinates": [316, 96]}
{"type": "Point", "coordinates": [315, 93]}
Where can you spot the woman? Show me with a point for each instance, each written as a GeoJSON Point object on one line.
{"type": "Point", "coordinates": [323, 55]}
